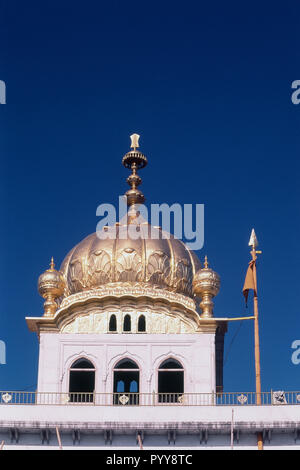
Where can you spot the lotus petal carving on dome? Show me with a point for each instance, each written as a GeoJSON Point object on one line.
{"type": "Point", "coordinates": [75, 276]}
{"type": "Point", "coordinates": [159, 268]}
{"type": "Point", "coordinates": [99, 268]}
{"type": "Point", "coordinates": [94, 263]}
{"type": "Point", "coordinates": [184, 276]}
{"type": "Point", "coordinates": [129, 266]}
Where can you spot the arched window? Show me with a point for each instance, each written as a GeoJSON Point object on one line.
{"type": "Point", "coordinates": [126, 383]}
{"type": "Point", "coordinates": [82, 381]}
{"type": "Point", "coordinates": [142, 323]}
{"type": "Point", "coordinates": [112, 323]}
{"type": "Point", "coordinates": [127, 323]}
{"type": "Point", "coordinates": [170, 381]}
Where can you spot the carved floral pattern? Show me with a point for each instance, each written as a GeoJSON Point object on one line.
{"type": "Point", "coordinates": [99, 268]}
{"type": "Point", "coordinates": [110, 261]}
{"type": "Point", "coordinates": [159, 268]}
{"type": "Point", "coordinates": [184, 277]}
{"type": "Point", "coordinates": [129, 266]}
{"type": "Point", "coordinates": [75, 276]}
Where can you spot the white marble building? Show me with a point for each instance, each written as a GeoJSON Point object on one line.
{"type": "Point", "coordinates": [128, 357]}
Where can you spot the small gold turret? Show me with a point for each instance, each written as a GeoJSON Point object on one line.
{"type": "Point", "coordinates": [51, 285]}
{"type": "Point", "coordinates": [206, 284]}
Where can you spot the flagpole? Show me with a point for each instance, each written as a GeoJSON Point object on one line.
{"type": "Point", "coordinates": [256, 337]}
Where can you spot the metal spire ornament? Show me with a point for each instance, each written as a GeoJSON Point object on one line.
{"type": "Point", "coordinates": [134, 160]}
{"type": "Point", "coordinates": [253, 240]}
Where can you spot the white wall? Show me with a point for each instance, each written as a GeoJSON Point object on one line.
{"type": "Point", "coordinates": [92, 420]}
{"type": "Point", "coordinates": [196, 352]}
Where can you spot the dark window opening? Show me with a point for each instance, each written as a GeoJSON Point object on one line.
{"type": "Point", "coordinates": [170, 364]}
{"type": "Point", "coordinates": [127, 323]}
{"type": "Point", "coordinates": [82, 364]}
{"type": "Point", "coordinates": [142, 323]}
{"type": "Point", "coordinates": [170, 382]}
{"type": "Point", "coordinates": [126, 364]}
{"type": "Point", "coordinates": [126, 383]}
{"type": "Point", "coordinates": [82, 382]}
{"type": "Point", "coordinates": [113, 323]}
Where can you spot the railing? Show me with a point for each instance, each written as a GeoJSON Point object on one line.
{"type": "Point", "coordinates": [149, 399]}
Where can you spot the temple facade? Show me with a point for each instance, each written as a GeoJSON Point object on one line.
{"type": "Point", "coordinates": [131, 355]}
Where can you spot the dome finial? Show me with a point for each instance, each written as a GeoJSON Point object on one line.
{"type": "Point", "coordinates": [134, 141]}
{"type": "Point", "coordinates": [52, 265]}
{"type": "Point", "coordinates": [205, 262]}
{"type": "Point", "coordinates": [134, 160]}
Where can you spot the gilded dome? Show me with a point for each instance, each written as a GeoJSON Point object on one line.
{"type": "Point", "coordinates": [155, 258]}
{"type": "Point", "coordinates": [131, 251]}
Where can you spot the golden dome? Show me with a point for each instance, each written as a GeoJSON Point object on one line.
{"type": "Point", "coordinates": [155, 258]}
{"type": "Point", "coordinates": [148, 256]}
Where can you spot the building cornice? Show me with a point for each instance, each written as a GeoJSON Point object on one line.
{"type": "Point", "coordinates": [122, 295]}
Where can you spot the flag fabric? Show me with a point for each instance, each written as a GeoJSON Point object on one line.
{"type": "Point", "coordinates": [249, 280]}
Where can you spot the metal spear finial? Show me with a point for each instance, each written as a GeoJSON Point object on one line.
{"type": "Point", "coordinates": [253, 240]}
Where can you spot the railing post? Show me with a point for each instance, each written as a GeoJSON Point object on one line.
{"type": "Point", "coordinates": [271, 397]}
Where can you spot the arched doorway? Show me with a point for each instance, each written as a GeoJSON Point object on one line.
{"type": "Point", "coordinates": [82, 381]}
{"type": "Point", "coordinates": [170, 381]}
{"type": "Point", "coordinates": [126, 383]}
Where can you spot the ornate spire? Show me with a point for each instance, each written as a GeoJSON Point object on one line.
{"type": "Point", "coordinates": [52, 265]}
{"type": "Point", "coordinates": [134, 160]}
{"type": "Point", "coordinates": [134, 141]}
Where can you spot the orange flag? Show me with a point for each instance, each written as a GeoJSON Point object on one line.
{"type": "Point", "coordinates": [249, 280]}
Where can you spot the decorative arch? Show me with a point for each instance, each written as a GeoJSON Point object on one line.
{"type": "Point", "coordinates": [82, 354]}
{"type": "Point", "coordinates": [81, 380]}
{"type": "Point", "coordinates": [170, 363]}
{"type": "Point", "coordinates": [127, 323]}
{"type": "Point", "coordinates": [170, 373]}
{"type": "Point", "coordinates": [170, 355]}
{"type": "Point", "coordinates": [112, 327]}
{"type": "Point", "coordinates": [126, 382]}
{"type": "Point", "coordinates": [141, 324]}
{"type": "Point", "coordinates": [170, 380]}
{"type": "Point", "coordinates": [125, 355]}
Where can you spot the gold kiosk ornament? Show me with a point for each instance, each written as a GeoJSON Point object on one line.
{"type": "Point", "coordinates": [51, 285]}
{"type": "Point", "coordinates": [206, 284]}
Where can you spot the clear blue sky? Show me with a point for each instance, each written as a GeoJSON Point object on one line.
{"type": "Point", "coordinates": [208, 87]}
